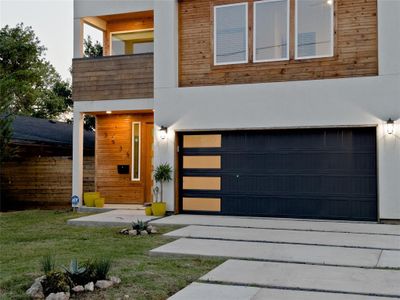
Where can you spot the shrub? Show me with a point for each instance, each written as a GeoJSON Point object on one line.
{"type": "Point", "coordinates": [101, 268]}
{"type": "Point", "coordinates": [79, 274]}
{"type": "Point", "coordinates": [55, 282]}
{"type": "Point", "coordinates": [47, 264]}
{"type": "Point", "coordinates": [139, 225]}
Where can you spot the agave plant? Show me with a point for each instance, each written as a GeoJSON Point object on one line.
{"type": "Point", "coordinates": [102, 268]}
{"type": "Point", "coordinates": [139, 225]}
{"type": "Point", "coordinates": [79, 274]}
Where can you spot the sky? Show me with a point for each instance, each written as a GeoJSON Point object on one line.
{"type": "Point", "coordinates": [52, 21]}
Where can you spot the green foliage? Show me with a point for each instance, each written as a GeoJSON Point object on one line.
{"type": "Point", "coordinates": [163, 173]}
{"type": "Point", "coordinates": [92, 49]}
{"type": "Point", "coordinates": [47, 264]}
{"type": "Point", "coordinates": [29, 85]}
{"type": "Point", "coordinates": [101, 268]}
{"type": "Point", "coordinates": [79, 274]}
{"type": "Point", "coordinates": [6, 119]}
{"type": "Point", "coordinates": [139, 225]}
{"type": "Point", "coordinates": [55, 282]}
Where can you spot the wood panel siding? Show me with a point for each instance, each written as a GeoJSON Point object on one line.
{"type": "Point", "coordinates": [42, 181]}
{"type": "Point", "coordinates": [123, 26]}
{"type": "Point", "coordinates": [113, 77]}
{"type": "Point", "coordinates": [355, 48]}
{"type": "Point", "coordinates": [113, 148]}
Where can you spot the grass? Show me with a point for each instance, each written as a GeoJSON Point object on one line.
{"type": "Point", "coordinates": [27, 236]}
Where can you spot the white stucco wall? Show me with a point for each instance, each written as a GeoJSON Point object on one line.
{"type": "Point", "coordinates": [319, 103]}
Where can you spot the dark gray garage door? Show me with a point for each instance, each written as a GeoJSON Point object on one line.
{"type": "Point", "coordinates": [307, 173]}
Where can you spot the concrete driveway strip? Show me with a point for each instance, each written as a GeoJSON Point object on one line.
{"type": "Point", "coordinates": [290, 236]}
{"type": "Point", "coordinates": [203, 291]}
{"type": "Point", "coordinates": [274, 223]}
{"type": "Point", "coordinates": [373, 282]}
{"type": "Point", "coordinates": [272, 252]}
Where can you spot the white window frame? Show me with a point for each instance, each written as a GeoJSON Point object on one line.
{"type": "Point", "coordinates": [255, 60]}
{"type": "Point", "coordinates": [126, 31]}
{"type": "Point", "coordinates": [331, 54]}
{"type": "Point", "coordinates": [133, 150]}
{"type": "Point", "coordinates": [246, 5]}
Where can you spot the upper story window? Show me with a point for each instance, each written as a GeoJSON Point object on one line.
{"type": "Point", "coordinates": [230, 34]}
{"type": "Point", "coordinates": [132, 42]}
{"type": "Point", "coordinates": [313, 31]}
{"type": "Point", "coordinates": [314, 28]}
{"type": "Point", "coordinates": [271, 30]}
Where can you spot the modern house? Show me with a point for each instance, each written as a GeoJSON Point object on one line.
{"type": "Point", "coordinates": [39, 173]}
{"type": "Point", "coordinates": [280, 108]}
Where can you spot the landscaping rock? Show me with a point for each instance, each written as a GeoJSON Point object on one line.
{"type": "Point", "coordinates": [126, 296]}
{"type": "Point", "coordinates": [89, 287]}
{"type": "Point", "coordinates": [124, 231]}
{"type": "Point", "coordinates": [153, 231]}
{"type": "Point", "coordinates": [132, 232]}
{"type": "Point", "coordinates": [104, 284]}
{"type": "Point", "coordinates": [36, 289]}
{"type": "Point", "coordinates": [149, 229]}
{"type": "Point", "coordinates": [58, 296]}
{"type": "Point", "coordinates": [115, 280]}
{"type": "Point", "coordinates": [78, 289]}
{"type": "Point", "coordinates": [143, 232]}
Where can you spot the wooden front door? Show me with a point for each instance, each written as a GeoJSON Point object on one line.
{"type": "Point", "coordinates": [124, 140]}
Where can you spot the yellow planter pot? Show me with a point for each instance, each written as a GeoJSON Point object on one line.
{"type": "Point", "coordinates": [90, 197]}
{"type": "Point", "coordinates": [148, 211]}
{"type": "Point", "coordinates": [99, 202]}
{"type": "Point", "coordinates": [159, 208]}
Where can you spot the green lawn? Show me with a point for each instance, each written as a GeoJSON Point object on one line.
{"type": "Point", "coordinates": [28, 235]}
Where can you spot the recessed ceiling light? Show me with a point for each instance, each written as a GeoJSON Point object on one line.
{"type": "Point", "coordinates": [108, 112]}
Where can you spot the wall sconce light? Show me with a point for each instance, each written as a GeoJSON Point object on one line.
{"type": "Point", "coordinates": [390, 126]}
{"type": "Point", "coordinates": [108, 112]}
{"type": "Point", "coordinates": [163, 132]}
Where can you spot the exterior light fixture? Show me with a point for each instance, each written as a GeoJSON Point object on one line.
{"type": "Point", "coordinates": [108, 112]}
{"type": "Point", "coordinates": [163, 132]}
{"type": "Point", "coordinates": [390, 126]}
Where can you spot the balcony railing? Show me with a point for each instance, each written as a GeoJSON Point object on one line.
{"type": "Point", "coordinates": [113, 77]}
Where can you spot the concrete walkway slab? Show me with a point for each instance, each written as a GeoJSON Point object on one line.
{"type": "Point", "coordinates": [202, 291]}
{"type": "Point", "coordinates": [274, 223]}
{"type": "Point", "coordinates": [373, 282]}
{"type": "Point", "coordinates": [390, 259]}
{"type": "Point", "coordinates": [290, 236]}
{"type": "Point", "coordinates": [272, 252]}
{"type": "Point", "coordinates": [112, 218]}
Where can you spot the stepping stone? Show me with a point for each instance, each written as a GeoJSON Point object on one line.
{"type": "Point", "coordinates": [272, 252]}
{"type": "Point", "coordinates": [201, 291]}
{"type": "Point", "coordinates": [290, 236]}
{"type": "Point", "coordinates": [275, 223]}
{"type": "Point", "coordinates": [370, 282]}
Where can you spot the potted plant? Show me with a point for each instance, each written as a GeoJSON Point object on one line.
{"type": "Point", "coordinates": [163, 173]}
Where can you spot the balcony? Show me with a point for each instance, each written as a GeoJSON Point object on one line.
{"type": "Point", "coordinates": [113, 77]}
{"type": "Point", "coordinates": [124, 67]}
